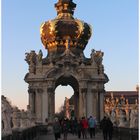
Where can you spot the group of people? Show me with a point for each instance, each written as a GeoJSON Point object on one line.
{"type": "Point", "coordinates": [82, 127]}
{"type": "Point", "coordinates": [79, 127]}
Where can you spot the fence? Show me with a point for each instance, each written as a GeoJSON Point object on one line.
{"type": "Point", "coordinates": [26, 134]}
{"type": "Point", "coordinates": [125, 133]}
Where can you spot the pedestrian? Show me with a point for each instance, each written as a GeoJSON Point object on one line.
{"type": "Point", "coordinates": [103, 126]}
{"type": "Point", "coordinates": [75, 126]}
{"type": "Point", "coordinates": [84, 127]}
{"type": "Point", "coordinates": [79, 128]}
{"type": "Point", "coordinates": [57, 129]}
{"type": "Point", "coordinates": [65, 128]}
{"type": "Point", "coordinates": [92, 125]}
{"type": "Point", "coordinates": [109, 128]}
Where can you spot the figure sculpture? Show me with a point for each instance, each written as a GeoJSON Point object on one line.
{"type": "Point", "coordinates": [40, 55]}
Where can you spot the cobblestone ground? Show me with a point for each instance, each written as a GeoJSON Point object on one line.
{"type": "Point", "coordinates": [71, 137]}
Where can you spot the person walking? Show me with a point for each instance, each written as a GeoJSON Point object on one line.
{"type": "Point", "coordinates": [109, 129]}
{"type": "Point", "coordinates": [65, 128]}
{"type": "Point", "coordinates": [103, 126]}
{"type": "Point", "coordinates": [79, 128]}
{"type": "Point", "coordinates": [57, 129]}
{"type": "Point", "coordinates": [84, 127]}
{"type": "Point", "coordinates": [92, 125]}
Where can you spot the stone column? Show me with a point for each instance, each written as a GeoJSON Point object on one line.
{"type": "Point", "coordinates": [80, 105]}
{"type": "Point", "coordinates": [89, 103]}
{"type": "Point", "coordinates": [95, 103]}
{"type": "Point", "coordinates": [31, 99]}
{"type": "Point", "coordinates": [84, 100]}
{"type": "Point", "coordinates": [101, 100]}
{"type": "Point", "coordinates": [45, 105]}
{"type": "Point", "coordinates": [51, 103]}
{"type": "Point", "coordinates": [76, 105]}
{"type": "Point", "coordinates": [38, 102]}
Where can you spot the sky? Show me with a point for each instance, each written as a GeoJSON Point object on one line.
{"type": "Point", "coordinates": [115, 32]}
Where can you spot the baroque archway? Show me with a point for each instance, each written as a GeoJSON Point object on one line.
{"type": "Point", "coordinates": [65, 39]}
{"type": "Point", "coordinates": [72, 81]}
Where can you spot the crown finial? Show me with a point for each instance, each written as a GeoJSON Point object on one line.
{"type": "Point", "coordinates": [65, 7]}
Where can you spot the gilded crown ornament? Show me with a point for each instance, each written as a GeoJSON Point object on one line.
{"type": "Point", "coordinates": [55, 33]}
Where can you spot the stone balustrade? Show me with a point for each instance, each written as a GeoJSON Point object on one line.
{"type": "Point", "coordinates": [27, 133]}
{"type": "Point", "coordinates": [125, 133]}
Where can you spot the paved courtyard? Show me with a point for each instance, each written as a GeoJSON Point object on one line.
{"type": "Point", "coordinates": [71, 137]}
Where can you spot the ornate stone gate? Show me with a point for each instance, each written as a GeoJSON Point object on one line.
{"type": "Point", "coordinates": [65, 38]}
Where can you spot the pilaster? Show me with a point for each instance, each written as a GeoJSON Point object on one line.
{"type": "Point", "coordinates": [38, 99]}
{"type": "Point", "coordinates": [84, 100]}
{"type": "Point", "coordinates": [80, 105]}
{"type": "Point", "coordinates": [89, 103]}
{"type": "Point", "coordinates": [51, 102]}
{"type": "Point", "coordinates": [101, 101]}
{"type": "Point", "coordinates": [45, 105]}
{"type": "Point", "coordinates": [96, 108]}
{"type": "Point", "coordinates": [31, 92]}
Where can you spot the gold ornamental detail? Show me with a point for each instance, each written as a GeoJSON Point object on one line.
{"type": "Point", "coordinates": [80, 26]}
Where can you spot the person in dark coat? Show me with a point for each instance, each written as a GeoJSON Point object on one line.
{"type": "Point", "coordinates": [109, 129]}
{"type": "Point", "coordinates": [103, 126]}
{"type": "Point", "coordinates": [65, 128]}
{"type": "Point", "coordinates": [79, 128]}
{"type": "Point", "coordinates": [57, 129]}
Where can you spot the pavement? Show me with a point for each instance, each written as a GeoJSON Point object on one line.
{"type": "Point", "coordinates": [71, 137]}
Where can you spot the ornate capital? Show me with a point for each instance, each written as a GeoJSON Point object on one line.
{"type": "Point", "coordinates": [50, 90]}
{"type": "Point", "coordinates": [83, 84]}
{"type": "Point", "coordinates": [83, 90]}
{"type": "Point", "coordinates": [39, 90]}
{"type": "Point", "coordinates": [93, 90]}
{"type": "Point", "coordinates": [31, 90]}
{"type": "Point", "coordinates": [50, 83]}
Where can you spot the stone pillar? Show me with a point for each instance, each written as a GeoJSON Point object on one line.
{"type": "Point", "coordinates": [38, 102]}
{"type": "Point", "coordinates": [95, 103]}
{"type": "Point", "coordinates": [89, 103]}
{"type": "Point", "coordinates": [101, 102]}
{"type": "Point", "coordinates": [84, 100]}
{"type": "Point", "coordinates": [51, 102]}
{"type": "Point", "coordinates": [80, 105]}
{"type": "Point", "coordinates": [76, 104]}
{"type": "Point", "coordinates": [45, 105]}
{"type": "Point", "coordinates": [32, 97]}
{"type": "Point", "coordinates": [31, 100]}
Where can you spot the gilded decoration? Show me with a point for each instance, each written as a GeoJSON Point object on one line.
{"type": "Point", "coordinates": [63, 26]}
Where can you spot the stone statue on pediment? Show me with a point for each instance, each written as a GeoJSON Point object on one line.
{"type": "Point", "coordinates": [30, 58]}
{"type": "Point", "coordinates": [40, 55]}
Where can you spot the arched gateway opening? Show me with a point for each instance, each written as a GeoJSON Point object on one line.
{"type": "Point", "coordinates": [61, 93]}
{"type": "Point", "coordinates": [73, 83]}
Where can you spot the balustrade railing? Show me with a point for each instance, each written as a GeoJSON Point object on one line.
{"type": "Point", "coordinates": [26, 134]}
{"type": "Point", "coordinates": [125, 133]}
